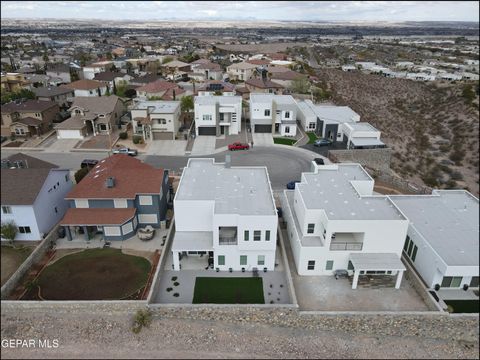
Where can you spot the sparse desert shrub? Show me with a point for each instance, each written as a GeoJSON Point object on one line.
{"type": "Point", "coordinates": [136, 139]}
{"type": "Point", "coordinates": [123, 135]}
{"type": "Point", "coordinates": [456, 175]}
{"type": "Point", "coordinates": [174, 278]}
{"type": "Point", "coordinates": [143, 318]}
{"type": "Point", "coordinates": [176, 283]}
{"type": "Point", "coordinates": [176, 294]}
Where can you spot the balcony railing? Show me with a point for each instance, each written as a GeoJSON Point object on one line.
{"type": "Point", "coordinates": [346, 246]}
{"type": "Point", "coordinates": [227, 241]}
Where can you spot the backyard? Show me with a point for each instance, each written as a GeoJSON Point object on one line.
{"type": "Point", "coordinates": [227, 290]}
{"type": "Point", "coordinates": [11, 259]}
{"type": "Point", "coordinates": [93, 274]}
{"type": "Point", "coordinates": [463, 306]}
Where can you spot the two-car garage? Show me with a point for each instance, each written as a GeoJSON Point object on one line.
{"type": "Point", "coordinates": [260, 128]}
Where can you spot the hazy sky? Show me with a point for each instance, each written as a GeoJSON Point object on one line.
{"type": "Point", "coordinates": [242, 10]}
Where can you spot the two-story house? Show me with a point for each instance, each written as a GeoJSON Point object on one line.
{"type": "Point", "coordinates": [90, 88]}
{"type": "Point", "coordinates": [215, 87]}
{"type": "Point", "coordinates": [61, 71]}
{"type": "Point", "coordinates": [89, 71]}
{"type": "Point", "coordinates": [156, 120]}
{"type": "Point", "coordinates": [264, 85]}
{"type": "Point", "coordinates": [334, 222]}
{"type": "Point", "coordinates": [28, 117]}
{"type": "Point", "coordinates": [273, 114]}
{"type": "Point", "coordinates": [227, 212]}
{"type": "Point", "coordinates": [218, 115]}
{"type": "Point", "coordinates": [91, 116]}
{"type": "Point", "coordinates": [61, 95]}
{"type": "Point", "coordinates": [241, 71]}
{"type": "Point", "coordinates": [442, 238]}
{"type": "Point", "coordinates": [33, 194]}
{"type": "Point", "coordinates": [13, 82]}
{"type": "Point", "coordinates": [160, 90]}
{"type": "Point", "coordinates": [118, 195]}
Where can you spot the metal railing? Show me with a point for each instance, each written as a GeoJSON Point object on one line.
{"type": "Point", "coordinates": [346, 246]}
{"type": "Point", "coordinates": [227, 241]}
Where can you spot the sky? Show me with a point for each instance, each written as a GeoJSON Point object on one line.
{"type": "Point", "coordinates": [246, 10]}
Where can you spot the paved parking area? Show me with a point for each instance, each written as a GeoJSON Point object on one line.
{"type": "Point", "coordinates": [204, 145]}
{"type": "Point", "coordinates": [225, 140]}
{"type": "Point", "coordinates": [167, 147]}
{"type": "Point", "coordinates": [262, 139]}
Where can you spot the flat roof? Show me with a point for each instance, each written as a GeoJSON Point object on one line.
{"type": "Point", "coordinates": [235, 190]}
{"type": "Point", "coordinates": [193, 241]}
{"type": "Point", "coordinates": [376, 261]}
{"type": "Point", "coordinates": [448, 221]}
{"type": "Point", "coordinates": [212, 99]}
{"type": "Point", "coordinates": [331, 189]}
{"type": "Point", "coordinates": [162, 107]}
{"type": "Point", "coordinates": [362, 126]}
{"type": "Point", "coordinates": [266, 98]}
{"type": "Point", "coordinates": [340, 114]}
{"type": "Point", "coordinates": [362, 141]}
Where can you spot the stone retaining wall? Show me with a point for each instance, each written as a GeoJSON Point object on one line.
{"type": "Point", "coordinates": [399, 183]}
{"type": "Point", "coordinates": [33, 259]}
{"type": "Point", "coordinates": [378, 159]}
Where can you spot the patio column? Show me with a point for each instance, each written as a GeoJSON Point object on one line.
{"type": "Point", "coordinates": [355, 279]}
{"type": "Point", "coordinates": [93, 128]}
{"type": "Point", "coordinates": [69, 234]}
{"type": "Point", "coordinates": [85, 231]}
{"type": "Point", "coordinates": [399, 279]}
{"type": "Point", "coordinates": [176, 260]}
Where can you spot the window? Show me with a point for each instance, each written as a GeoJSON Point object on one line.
{"type": "Point", "coordinates": [221, 259]}
{"type": "Point", "coordinates": [207, 117]}
{"type": "Point", "coordinates": [410, 248]}
{"type": "Point", "coordinates": [474, 282]}
{"type": "Point", "coordinates": [267, 112]}
{"type": "Point", "coordinates": [257, 235]}
{"type": "Point", "coordinates": [350, 266]}
{"type": "Point", "coordinates": [102, 127]}
{"type": "Point", "coordinates": [38, 115]}
{"type": "Point", "coordinates": [120, 203]}
{"type": "Point", "coordinates": [287, 114]}
{"type": "Point", "coordinates": [261, 260]}
{"type": "Point", "coordinates": [311, 228]}
{"type": "Point", "coordinates": [311, 125]}
{"type": "Point", "coordinates": [79, 203]}
{"type": "Point", "coordinates": [451, 281]}
{"type": "Point", "coordinates": [56, 210]}
{"type": "Point", "coordinates": [6, 209]}
{"type": "Point", "coordinates": [267, 235]}
{"type": "Point", "coordinates": [245, 235]}
{"type": "Point", "coordinates": [311, 265]}
{"type": "Point", "coordinates": [243, 259]}
{"type": "Point", "coordinates": [24, 229]}
{"type": "Point", "coordinates": [112, 230]}
{"type": "Point", "coordinates": [145, 200]}
{"type": "Point", "coordinates": [162, 121]}
{"type": "Point", "coordinates": [329, 265]}
{"type": "Point", "coordinates": [287, 129]}
{"type": "Point", "coordinates": [405, 246]}
{"type": "Point", "coordinates": [414, 253]}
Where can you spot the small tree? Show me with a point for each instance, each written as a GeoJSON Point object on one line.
{"type": "Point", "coordinates": [300, 86]}
{"type": "Point", "coordinates": [186, 103]}
{"type": "Point", "coordinates": [80, 174]}
{"type": "Point", "coordinates": [9, 230]}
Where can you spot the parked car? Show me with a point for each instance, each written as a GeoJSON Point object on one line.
{"type": "Point", "coordinates": [291, 184]}
{"type": "Point", "coordinates": [88, 163]}
{"type": "Point", "coordinates": [319, 161]}
{"type": "Point", "coordinates": [322, 142]}
{"type": "Point", "coordinates": [238, 146]}
{"type": "Point", "coordinates": [127, 151]}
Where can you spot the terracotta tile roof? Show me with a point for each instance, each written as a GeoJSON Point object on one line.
{"type": "Point", "coordinates": [107, 76]}
{"type": "Point", "coordinates": [132, 177]}
{"type": "Point", "coordinates": [97, 216]}
{"type": "Point", "coordinates": [29, 121]}
{"type": "Point", "coordinates": [263, 84]}
{"type": "Point", "coordinates": [85, 85]}
{"type": "Point", "coordinates": [28, 106]}
{"type": "Point", "coordinates": [210, 66]}
{"type": "Point", "coordinates": [157, 86]}
{"type": "Point", "coordinates": [51, 91]}
{"type": "Point", "coordinates": [169, 94]}
{"type": "Point", "coordinates": [242, 90]}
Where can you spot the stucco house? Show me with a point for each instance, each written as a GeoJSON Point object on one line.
{"type": "Point", "coordinates": [227, 212]}
{"type": "Point", "coordinates": [33, 194]}
{"type": "Point", "coordinates": [273, 114]}
{"type": "Point", "coordinates": [116, 197]}
{"type": "Point", "coordinates": [241, 71]}
{"type": "Point", "coordinates": [156, 120]}
{"type": "Point", "coordinates": [160, 90]}
{"type": "Point", "coordinates": [218, 115]}
{"type": "Point", "coordinates": [60, 95]}
{"type": "Point", "coordinates": [90, 88]}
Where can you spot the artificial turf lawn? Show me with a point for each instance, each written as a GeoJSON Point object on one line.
{"type": "Point", "coordinates": [312, 137]}
{"type": "Point", "coordinates": [284, 141]}
{"type": "Point", "coordinates": [463, 306]}
{"type": "Point", "coordinates": [228, 290]}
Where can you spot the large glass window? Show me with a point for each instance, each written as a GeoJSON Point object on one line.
{"type": "Point", "coordinates": [474, 282]}
{"type": "Point", "coordinates": [414, 253]}
{"type": "Point", "coordinates": [311, 228]}
{"type": "Point", "coordinates": [221, 259]}
{"type": "Point", "coordinates": [451, 281]}
{"type": "Point", "coordinates": [329, 265]}
{"type": "Point", "coordinates": [6, 209]}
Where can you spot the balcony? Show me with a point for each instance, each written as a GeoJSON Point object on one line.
{"type": "Point", "coordinates": [345, 246]}
{"type": "Point", "coordinates": [227, 235]}
{"type": "Point", "coordinates": [347, 241]}
{"type": "Point", "coordinates": [227, 241]}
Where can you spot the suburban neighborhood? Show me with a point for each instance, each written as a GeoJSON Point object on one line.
{"type": "Point", "coordinates": [229, 179]}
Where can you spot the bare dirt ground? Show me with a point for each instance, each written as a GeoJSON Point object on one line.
{"type": "Point", "coordinates": [11, 259]}
{"type": "Point", "coordinates": [108, 335]}
{"type": "Point", "coordinates": [260, 48]}
{"type": "Point", "coordinates": [430, 127]}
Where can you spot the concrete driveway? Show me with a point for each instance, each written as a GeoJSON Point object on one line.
{"type": "Point", "coordinates": [204, 145]}
{"type": "Point", "coordinates": [262, 139]}
{"type": "Point", "coordinates": [62, 145]}
{"type": "Point", "coordinates": [167, 147]}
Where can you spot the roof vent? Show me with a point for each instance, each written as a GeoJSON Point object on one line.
{"type": "Point", "coordinates": [110, 182]}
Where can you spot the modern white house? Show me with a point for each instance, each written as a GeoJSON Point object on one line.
{"type": "Point", "coordinates": [33, 194]}
{"type": "Point", "coordinates": [156, 120]}
{"type": "Point", "coordinates": [361, 135]}
{"type": "Point", "coordinates": [89, 71]}
{"type": "Point", "coordinates": [442, 239]}
{"type": "Point", "coordinates": [271, 113]}
{"type": "Point", "coordinates": [334, 222]}
{"type": "Point", "coordinates": [227, 212]}
{"type": "Point", "coordinates": [218, 115]}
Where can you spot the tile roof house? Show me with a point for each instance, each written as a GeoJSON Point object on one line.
{"type": "Point", "coordinates": [117, 196]}
{"type": "Point", "coordinates": [206, 71]}
{"type": "Point", "coordinates": [58, 94]}
{"type": "Point", "coordinates": [32, 195]}
{"type": "Point", "coordinates": [161, 89]}
{"type": "Point", "coordinates": [27, 118]}
{"type": "Point", "coordinates": [91, 116]}
{"type": "Point", "coordinates": [258, 85]}
{"type": "Point", "coordinates": [241, 71]}
{"type": "Point", "coordinates": [88, 88]}
{"type": "Point", "coordinates": [286, 78]}
{"type": "Point", "coordinates": [215, 86]}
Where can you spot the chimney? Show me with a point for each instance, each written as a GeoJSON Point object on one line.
{"type": "Point", "coordinates": [110, 182]}
{"type": "Point", "coordinates": [228, 161]}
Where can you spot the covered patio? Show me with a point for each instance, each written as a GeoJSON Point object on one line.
{"type": "Point", "coordinates": [196, 243]}
{"type": "Point", "coordinates": [377, 264]}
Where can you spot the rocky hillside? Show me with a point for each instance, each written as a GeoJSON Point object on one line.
{"type": "Point", "coordinates": [432, 128]}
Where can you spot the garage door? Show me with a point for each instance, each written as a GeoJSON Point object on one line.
{"type": "Point", "coordinates": [207, 130]}
{"type": "Point", "coordinates": [163, 135]}
{"type": "Point", "coordinates": [263, 128]}
{"type": "Point", "coordinates": [69, 134]}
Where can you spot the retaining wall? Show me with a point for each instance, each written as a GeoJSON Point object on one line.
{"type": "Point", "coordinates": [33, 259]}
{"type": "Point", "coordinates": [378, 159]}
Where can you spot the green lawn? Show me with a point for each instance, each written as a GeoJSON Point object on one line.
{"type": "Point", "coordinates": [284, 141]}
{"type": "Point", "coordinates": [312, 137]}
{"type": "Point", "coordinates": [228, 290]}
{"type": "Point", "coordinates": [463, 306]}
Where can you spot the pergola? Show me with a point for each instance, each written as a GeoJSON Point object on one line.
{"type": "Point", "coordinates": [190, 241]}
{"type": "Point", "coordinates": [363, 262]}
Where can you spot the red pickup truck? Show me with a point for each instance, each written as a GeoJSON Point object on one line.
{"type": "Point", "coordinates": [238, 146]}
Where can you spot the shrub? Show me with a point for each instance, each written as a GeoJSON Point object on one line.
{"type": "Point", "coordinates": [136, 139]}
{"type": "Point", "coordinates": [176, 294]}
{"type": "Point", "coordinates": [9, 230]}
{"type": "Point", "coordinates": [80, 174]}
{"type": "Point", "coordinates": [143, 318]}
{"type": "Point", "coordinates": [123, 135]}
{"type": "Point", "coordinates": [456, 176]}
{"type": "Point", "coordinates": [176, 283]}
{"type": "Point", "coordinates": [174, 278]}
{"type": "Point", "coordinates": [169, 289]}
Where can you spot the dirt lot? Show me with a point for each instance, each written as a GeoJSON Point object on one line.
{"type": "Point", "coordinates": [11, 259]}
{"type": "Point", "coordinates": [430, 127]}
{"type": "Point", "coordinates": [261, 48]}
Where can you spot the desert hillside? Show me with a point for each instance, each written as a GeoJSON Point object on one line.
{"type": "Point", "coordinates": [432, 128]}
